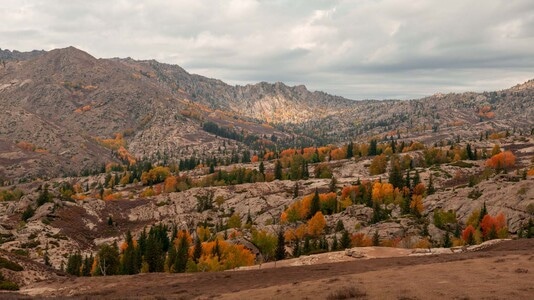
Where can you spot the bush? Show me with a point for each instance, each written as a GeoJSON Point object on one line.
{"type": "Point", "coordinates": [13, 266]}
{"type": "Point", "coordinates": [8, 286]}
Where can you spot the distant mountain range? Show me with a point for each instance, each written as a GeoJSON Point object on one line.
{"type": "Point", "coordinates": [65, 112]}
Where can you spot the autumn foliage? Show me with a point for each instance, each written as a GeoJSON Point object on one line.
{"type": "Point", "coordinates": [503, 160]}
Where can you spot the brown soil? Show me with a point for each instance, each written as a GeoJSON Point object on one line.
{"type": "Point", "coordinates": [501, 271]}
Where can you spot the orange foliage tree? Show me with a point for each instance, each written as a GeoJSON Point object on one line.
{"type": "Point", "coordinates": [493, 227]}
{"type": "Point", "coordinates": [382, 192]}
{"type": "Point", "coordinates": [501, 161]}
{"type": "Point", "coordinates": [316, 224]}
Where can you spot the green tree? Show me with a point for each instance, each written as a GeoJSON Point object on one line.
{"type": "Point", "coordinates": [265, 242]}
{"type": "Point", "coordinates": [280, 252]}
{"type": "Point", "coordinates": [74, 264]}
{"type": "Point", "coordinates": [182, 252]}
{"type": "Point", "coordinates": [395, 173]}
{"type": "Point", "coordinates": [376, 238]}
{"type": "Point", "coordinates": [108, 260]}
{"type": "Point", "coordinates": [278, 170]}
{"type": "Point", "coordinates": [197, 251]}
{"type": "Point", "coordinates": [315, 205]}
{"type": "Point", "coordinates": [345, 240]}
{"type": "Point", "coordinates": [129, 264]}
{"type": "Point", "coordinates": [350, 150]}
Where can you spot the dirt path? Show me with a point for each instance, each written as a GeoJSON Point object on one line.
{"type": "Point", "coordinates": [502, 271]}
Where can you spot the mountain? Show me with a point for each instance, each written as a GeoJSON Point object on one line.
{"type": "Point", "coordinates": [67, 112]}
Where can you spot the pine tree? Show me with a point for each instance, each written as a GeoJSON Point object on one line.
{"type": "Point", "coordinates": [197, 251]}
{"type": "Point", "coordinates": [350, 153]}
{"type": "Point", "coordinates": [447, 241]}
{"type": "Point", "coordinates": [395, 174]}
{"type": "Point", "coordinates": [129, 263]}
{"type": "Point", "coordinates": [280, 252]}
{"type": "Point", "coordinates": [335, 244]}
{"type": "Point", "coordinates": [306, 249]}
{"type": "Point", "coordinates": [261, 168]}
{"type": "Point", "coordinates": [278, 170]}
{"type": "Point", "coordinates": [340, 226]}
{"type": "Point", "coordinates": [182, 254]}
{"type": "Point", "coordinates": [376, 239]}
{"type": "Point", "coordinates": [315, 205]}
{"type": "Point", "coordinates": [345, 240]}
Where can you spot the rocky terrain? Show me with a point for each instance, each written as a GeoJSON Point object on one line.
{"type": "Point", "coordinates": [77, 130]}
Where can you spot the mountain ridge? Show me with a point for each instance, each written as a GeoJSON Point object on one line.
{"type": "Point", "coordinates": [67, 101]}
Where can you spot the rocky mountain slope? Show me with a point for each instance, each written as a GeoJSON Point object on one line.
{"type": "Point", "coordinates": [61, 106]}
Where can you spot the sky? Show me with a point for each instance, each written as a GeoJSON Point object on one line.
{"type": "Point", "coordinates": [360, 49]}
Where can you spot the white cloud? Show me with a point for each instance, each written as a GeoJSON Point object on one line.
{"type": "Point", "coordinates": [358, 49]}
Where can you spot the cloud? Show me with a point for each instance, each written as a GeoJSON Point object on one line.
{"type": "Point", "coordinates": [357, 49]}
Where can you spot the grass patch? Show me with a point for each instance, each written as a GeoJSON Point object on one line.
{"type": "Point", "coordinates": [346, 293]}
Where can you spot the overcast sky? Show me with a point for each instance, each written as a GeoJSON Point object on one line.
{"type": "Point", "coordinates": [361, 49]}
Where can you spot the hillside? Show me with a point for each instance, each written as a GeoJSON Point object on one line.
{"type": "Point", "coordinates": [119, 167]}
{"type": "Point", "coordinates": [65, 107]}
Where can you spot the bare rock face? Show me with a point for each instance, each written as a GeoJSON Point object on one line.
{"type": "Point", "coordinates": [507, 197]}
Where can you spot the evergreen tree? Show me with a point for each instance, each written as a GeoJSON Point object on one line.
{"type": "Point", "coordinates": [345, 240]}
{"type": "Point", "coordinates": [141, 249]}
{"type": "Point", "coordinates": [197, 251]}
{"type": "Point", "coordinates": [395, 173]}
{"type": "Point", "coordinates": [280, 252]}
{"type": "Point", "coordinates": [87, 265]}
{"type": "Point", "coordinates": [340, 226]}
{"type": "Point", "coordinates": [350, 153]}
{"type": "Point", "coordinates": [44, 196]}
{"type": "Point", "coordinates": [182, 254]}
{"type": "Point", "coordinates": [335, 244]}
{"type": "Point", "coordinates": [376, 239]}
{"type": "Point", "coordinates": [469, 152]}
{"type": "Point", "coordinates": [315, 205]}
{"type": "Point", "coordinates": [261, 168]}
{"type": "Point", "coordinates": [447, 243]}
{"type": "Point", "coordinates": [74, 264]}
{"type": "Point", "coordinates": [373, 148]}
{"type": "Point", "coordinates": [278, 170]}
{"type": "Point", "coordinates": [129, 263]}
{"type": "Point", "coordinates": [306, 249]}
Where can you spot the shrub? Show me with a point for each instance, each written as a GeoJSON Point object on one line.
{"type": "Point", "coordinates": [13, 266]}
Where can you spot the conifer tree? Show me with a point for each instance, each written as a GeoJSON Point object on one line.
{"type": "Point", "coordinates": [345, 240]}
{"type": "Point", "coordinates": [280, 252]}
{"type": "Point", "coordinates": [197, 251]}
{"type": "Point", "coordinates": [350, 153]}
{"type": "Point", "coordinates": [376, 239]}
{"type": "Point", "coordinates": [278, 170]}
{"type": "Point", "coordinates": [315, 205]}
{"type": "Point", "coordinates": [395, 173]}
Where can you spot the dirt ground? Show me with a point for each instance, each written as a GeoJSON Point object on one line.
{"type": "Point", "coordinates": [501, 271]}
